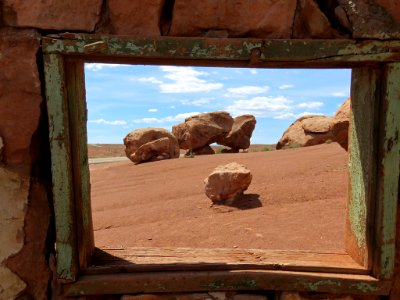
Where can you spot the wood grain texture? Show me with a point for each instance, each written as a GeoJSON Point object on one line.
{"type": "Point", "coordinates": [365, 90]}
{"type": "Point", "coordinates": [57, 106]}
{"type": "Point", "coordinates": [388, 170]}
{"type": "Point", "coordinates": [75, 83]}
{"type": "Point", "coordinates": [188, 281]}
{"type": "Point", "coordinates": [328, 53]}
{"type": "Point", "coordinates": [137, 259]}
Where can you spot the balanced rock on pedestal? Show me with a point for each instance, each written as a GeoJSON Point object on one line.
{"type": "Point", "coordinates": [226, 182]}
{"type": "Point", "coordinates": [203, 129]}
{"type": "Point", "coordinates": [150, 144]}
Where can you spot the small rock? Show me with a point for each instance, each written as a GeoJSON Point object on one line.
{"type": "Point", "coordinates": [227, 181]}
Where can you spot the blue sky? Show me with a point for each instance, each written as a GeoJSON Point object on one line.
{"type": "Point", "coordinates": [122, 98]}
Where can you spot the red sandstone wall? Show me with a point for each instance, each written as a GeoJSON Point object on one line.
{"type": "Point", "coordinates": [26, 236]}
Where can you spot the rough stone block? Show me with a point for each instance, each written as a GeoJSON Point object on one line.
{"type": "Point", "coordinates": [249, 297]}
{"type": "Point", "coordinates": [373, 19]}
{"type": "Point", "coordinates": [20, 96]}
{"type": "Point", "coordinates": [30, 264]}
{"type": "Point", "coordinates": [139, 18]}
{"type": "Point", "coordinates": [257, 18]}
{"type": "Point", "coordinates": [53, 14]}
{"type": "Point", "coordinates": [310, 22]}
{"type": "Point", "coordinates": [14, 197]}
{"type": "Point", "coordinates": [305, 296]}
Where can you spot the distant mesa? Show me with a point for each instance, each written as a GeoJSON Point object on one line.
{"type": "Point", "coordinates": [313, 130]}
{"type": "Point", "coordinates": [150, 144]}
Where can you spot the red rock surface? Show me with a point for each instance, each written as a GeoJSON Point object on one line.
{"type": "Point", "coordinates": [310, 22]}
{"type": "Point", "coordinates": [134, 17]}
{"type": "Point", "coordinates": [256, 18]}
{"type": "Point", "coordinates": [307, 131]}
{"type": "Point", "coordinates": [53, 14]}
{"type": "Point", "coordinates": [20, 96]}
{"type": "Point", "coordinates": [240, 134]}
{"type": "Point", "coordinates": [203, 129]}
{"type": "Point", "coordinates": [149, 144]}
{"type": "Point", "coordinates": [373, 19]}
{"type": "Point", "coordinates": [296, 201]}
{"type": "Point", "coordinates": [341, 121]}
{"type": "Point", "coordinates": [227, 182]}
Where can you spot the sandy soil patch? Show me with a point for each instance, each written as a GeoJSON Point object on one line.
{"type": "Point", "coordinates": [296, 201]}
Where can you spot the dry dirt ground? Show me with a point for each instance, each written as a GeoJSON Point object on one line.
{"type": "Point", "coordinates": [296, 201]}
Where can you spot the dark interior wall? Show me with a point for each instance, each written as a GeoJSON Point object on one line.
{"type": "Point", "coordinates": [27, 236]}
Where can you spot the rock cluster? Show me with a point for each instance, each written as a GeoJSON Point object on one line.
{"type": "Point", "coordinates": [195, 135]}
{"type": "Point", "coordinates": [226, 182]}
{"type": "Point", "coordinates": [315, 129]}
{"type": "Point", "coordinates": [150, 144]}
{"type": "Point", "coordinates": [199, 131]}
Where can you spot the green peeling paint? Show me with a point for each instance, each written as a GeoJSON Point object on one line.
{"type": "Point", "coordinates": [244, 283]}
{"type": "Point", "coordinates": [388, 188]}
{"type": "Point", "coordinates": [315, 286]}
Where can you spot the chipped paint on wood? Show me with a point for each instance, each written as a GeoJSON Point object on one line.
{"type": "Point", "coordinates": [311, 51]}
{"type": "Point", "coordinates": [389, 156]}
{"type": "Point", "coordinates": [74, 75]}
{"type": "Point", "coordinates": [189, 281]}
{"type": "Point", "coordinates": [365, 87]}
{"type": "Point", "coordinates": [61, 167]}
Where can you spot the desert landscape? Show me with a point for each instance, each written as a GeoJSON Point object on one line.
{"type": "Point", "coordinates": [296, 201]}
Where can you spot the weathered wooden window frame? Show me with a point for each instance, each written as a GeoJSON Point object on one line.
{"type": "Point", "coordinates": [373, 166]}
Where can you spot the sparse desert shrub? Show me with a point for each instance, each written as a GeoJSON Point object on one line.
{"type": "Point", "coordinates": [266, 149]}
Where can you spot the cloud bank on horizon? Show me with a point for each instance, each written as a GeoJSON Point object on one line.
{"type": "Point", "coordinates": [121, 98]}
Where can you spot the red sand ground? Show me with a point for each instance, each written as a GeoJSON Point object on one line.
{"type": "Point", "coordinates": [296, 201]}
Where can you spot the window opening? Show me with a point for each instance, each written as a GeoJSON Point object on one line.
{"type": "Point", "coordinates": [297, 198]}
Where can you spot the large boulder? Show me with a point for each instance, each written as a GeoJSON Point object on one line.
{"type": "Point", "coordinates": [307, 131]}
{"type": "Point", "coordinates": [203, 129]}
{"type": "Point", "coordinates": [256, 18]}
{"type": "Point", "coordinates": [340, 127]}
{"type": "Point", "coordinates": [240, 134]}
{"type": "Point", "coordinates": [226, 182]}
{"type": "Point", "coordinates": [149, 144]}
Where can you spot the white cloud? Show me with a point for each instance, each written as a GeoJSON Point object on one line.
{"type": "Point", "coordinates": [286, 86]}
{"type": "Point", "coordinates": [186, 80]}
{"type": "Point", "coordinates": [253, 71]}
{"type": "Point", "coordinates": [152, 110]}
{"type": "Point", "coordinates": [150, 79]}
{"type": "Point", "coordinates": [311, 105]}
{"type": "Point", "coordinates": [286, 116]}
{"type": "Point", "coordinates": [246, 90]}
{"type": "Point", "coordinates": [339, 94]}
{"type": "Point", "coordinates": [261, 106]}
{"type": "Point", "coordinates": [307, 113]}
{"type": "Point", "coordinates": [199, 102]}
{"type": "Point", "coordinates": [172, 106]}
{"type": "Point", "coordinates": [169, 119]}
{"type": "Point", "coordinates": [97, 66]}
{"type": "Point", "coordinates": [106, 122]}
